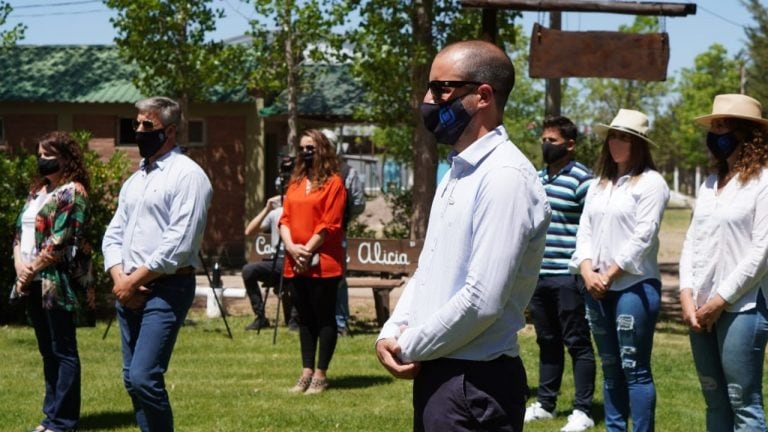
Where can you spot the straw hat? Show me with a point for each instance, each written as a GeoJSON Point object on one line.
{"type": "Point", "coordinates": [734, 106]}
{"type": "Point", "coordinates": [629, 121]}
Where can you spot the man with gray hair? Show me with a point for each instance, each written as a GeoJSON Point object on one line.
{"type": "Point", "coordinates": [151, 251]}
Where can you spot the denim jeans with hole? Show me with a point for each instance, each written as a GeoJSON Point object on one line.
{"type": "Point", "coordinates": [729, 362]}
{"type": "Point", "coordinates": [148, 336]}
{"type": "Point", "coordinates": [622, 324]}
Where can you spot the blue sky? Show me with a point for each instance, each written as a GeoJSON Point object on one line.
{"type": "Point", "coordinates": [87, 22]}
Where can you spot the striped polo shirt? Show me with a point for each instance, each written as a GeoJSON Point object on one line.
{"type": "Point", "coordinates": [566, 192]}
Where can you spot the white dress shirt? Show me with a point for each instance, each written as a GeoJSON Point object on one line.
{"type": "Point", "coordinates": [726, 246]}
{"type": "Point", "coordinates": [160, 217]}
{"type": "Point", "coordinates": [480, 261]}
{"type": "Point", "coordinates": [620, 225]}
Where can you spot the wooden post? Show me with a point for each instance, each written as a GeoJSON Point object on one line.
{"type": "Point", "coordinates": [553, 90]}
{"type": "Point", "coordinates": [489, 30]}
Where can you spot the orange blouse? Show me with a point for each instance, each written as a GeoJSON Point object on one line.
{"type": "Point", "coordinates": [309, 213]}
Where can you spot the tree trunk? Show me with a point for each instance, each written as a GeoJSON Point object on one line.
{"type": "Point", "coordinates": [292, 79]}
{"type": "Point", "coordinates": [424, 146]}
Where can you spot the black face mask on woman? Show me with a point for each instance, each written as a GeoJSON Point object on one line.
{"type": "Point", "coordinates": [150, 142]}
{"type": "Point", "coordinates": [47, 166]}
{"type": "Point", "coordinates": [722, 146]}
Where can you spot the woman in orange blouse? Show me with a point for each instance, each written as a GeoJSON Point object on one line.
{"type": "Point", "coordinates": [312, 234]}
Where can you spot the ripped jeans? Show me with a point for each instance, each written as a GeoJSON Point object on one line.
{"type": "Point", "coordinates": [729, 361]}
{"type": "Point", "coordinates": [622, 324]}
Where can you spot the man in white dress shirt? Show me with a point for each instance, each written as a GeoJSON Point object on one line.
{"type": "Point", "coordinates": [454, 330]}
{"type": "Point", "coordinates": [151, 251]}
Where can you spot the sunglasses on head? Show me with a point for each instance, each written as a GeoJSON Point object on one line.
{"type": "Point", "coordinates": [439, 88]}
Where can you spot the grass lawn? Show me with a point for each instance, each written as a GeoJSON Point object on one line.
{"type": "Point", "coordinates": [218, 384]}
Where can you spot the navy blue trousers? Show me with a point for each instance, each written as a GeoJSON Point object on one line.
{"type": "Point", "coordinates": [463, 395]}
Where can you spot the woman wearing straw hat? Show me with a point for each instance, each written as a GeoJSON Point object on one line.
{"type": "Point", "coordinates": [616, 248]}
{"type": "Point", "coordinates": [723, 279]}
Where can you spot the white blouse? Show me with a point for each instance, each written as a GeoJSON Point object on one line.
{"type": "Point", "coordinates": [620, 225]}
{"type": "Point", "coordinates": [27, 242]}
{"type": "Point", "coordinates": [726, 246]}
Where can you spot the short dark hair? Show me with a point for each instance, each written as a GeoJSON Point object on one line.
{"type": "Point", "coordinates": [487, 63]}
{"type": "Point", "coordinates": [563, 124]}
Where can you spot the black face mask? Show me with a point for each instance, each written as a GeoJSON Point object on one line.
{"type": "Point", "coordinates": [309, 157]}
{"type": "Point", "coordinates": [47, 166]}
{"type": "Point", "coordinates": [722, 146]}
{"type": "Point", "coordinates": [446, 120]}
{"type": "Point", "coordinates": [553, 152]}
{"type": "Point", "coordinates": [150, 142]}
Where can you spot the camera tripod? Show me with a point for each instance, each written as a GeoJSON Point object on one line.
{"type": "Point", "coordinates": [213, 290]}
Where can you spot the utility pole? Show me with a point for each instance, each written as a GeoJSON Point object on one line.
{"type": "Point", "coordinates": [553, 89]}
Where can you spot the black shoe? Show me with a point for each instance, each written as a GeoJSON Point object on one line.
{"type": "Point", "coordinates": [258, 323]}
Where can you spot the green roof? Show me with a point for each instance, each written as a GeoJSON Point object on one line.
{"type": "Point", "coordinates": [77, 74]}
{"type": "Point", "coordinates": [329, 91]}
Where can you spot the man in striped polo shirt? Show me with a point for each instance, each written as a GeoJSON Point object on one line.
{"type": "Point", "coordinates": [557, 306]}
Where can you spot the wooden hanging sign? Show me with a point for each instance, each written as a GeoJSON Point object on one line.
{"type": "Point", "coordinates": [598, 54]}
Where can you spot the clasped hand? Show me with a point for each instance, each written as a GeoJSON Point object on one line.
{"type": "Point", "coordinates": [301, 257]}
{"type": "Point", "coordinates": [597, 284]}
{"type": "Point", "coordinates": [128, 295]}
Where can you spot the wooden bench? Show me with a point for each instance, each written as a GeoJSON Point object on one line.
{"type": "Point", "coordinates": [379, 264]}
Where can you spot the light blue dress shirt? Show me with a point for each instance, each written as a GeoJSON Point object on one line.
{"type": "Point", "coordinates": [160, 217]}
{"type": "Point", "coordinates": [480, 261]}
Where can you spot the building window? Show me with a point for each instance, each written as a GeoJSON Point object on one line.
{"type": "Point", "coordinates": [127, 136]}
{"type": "Point", "coordinates": [196, 135]}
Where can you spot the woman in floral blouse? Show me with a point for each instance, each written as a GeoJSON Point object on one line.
{"type": "Point", "coordinates": [53, 270]}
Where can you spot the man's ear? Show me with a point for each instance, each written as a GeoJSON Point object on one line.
{"type": "Point", "coordinates": [571, 145]}
{"type": "Point", "coordinates": [486, 95]}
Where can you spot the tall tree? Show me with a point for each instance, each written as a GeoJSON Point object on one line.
{"type": "Point", "coordinates": [757, 44]}
{"type": "Point", "coordinates": [167, 41]}
{"type": "Point", "coordinates": [297, 34]}
{"type": "Point", "coordinates": [681, 140]}
{"type": "Point", "coordinates": [10, 36]}
{"type": "Point", "coordinates": [395, 42]}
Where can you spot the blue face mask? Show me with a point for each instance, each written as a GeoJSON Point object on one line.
{"type": "Point", "coordinates": [722, 146]}
{"type": "Point", "coordinates": [446, 120]}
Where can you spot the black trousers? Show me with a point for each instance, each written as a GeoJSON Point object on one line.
{"type": "Point", "coordinates": [558, 313]}
{"type": "Point", "coordinates": [315, 299]}
{"type": "Point", "coordinates": [463, 395]}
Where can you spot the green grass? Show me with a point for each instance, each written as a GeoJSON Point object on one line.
{"type": "Point", "coordinates": [218, 384]}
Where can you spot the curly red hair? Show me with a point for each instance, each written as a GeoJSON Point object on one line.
{"type": "Point", "coordinates": [753, 156]}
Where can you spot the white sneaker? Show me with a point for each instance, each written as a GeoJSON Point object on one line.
{"type": "Point", "coordinates": [536, 412]}
{"type": "Point", "coordinates": [579, 421]}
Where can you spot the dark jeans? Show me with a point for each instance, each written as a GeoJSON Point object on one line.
{"type": "Point", "coordinates": [463, 395]}
{"type": "Point", "coordinates": [559, 316]}
{"type": "Point", "coordinates": [268, 273]}
{"type": "Point", "coordinates": [57, 342]}
{"type": "Point", "coordinates": [315, 299]}
{"type": "Point", "coordinates": [148, 336]}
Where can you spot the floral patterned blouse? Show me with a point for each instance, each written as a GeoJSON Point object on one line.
{"type": "Point", "coordinates": [59, 230]}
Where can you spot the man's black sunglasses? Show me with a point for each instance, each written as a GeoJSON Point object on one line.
{"type": "Point", "coordinates": [146, 124]}
{"type": "Point", "coordinates": [438, 88]}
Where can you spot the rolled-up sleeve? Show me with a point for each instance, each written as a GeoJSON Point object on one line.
{"type": "Point", "coordinates": [334, 201]}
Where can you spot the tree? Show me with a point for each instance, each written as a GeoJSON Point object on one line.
{"type": "Point", "coordinates": [166, 40]}
{"type": "Point", "coordinates": [757, 45]}
{"type": "Point", "coordinates": [396, 41]}
{"type": "Point", "coordinates": [680, 139]}
{"type": "Point", "coordinates": [301, 34]}
{"type": "Point", "coordinates": [9, 37]}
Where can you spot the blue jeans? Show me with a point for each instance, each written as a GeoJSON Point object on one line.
{"type": "Point", "coordinates": [57, 343]}
{"type": "Point", "coordinates": [342, 304]}
{"type": "Point", "coordinates": [622, 324]}
{"type": "Point", "coordinates": [148, 336]}
{"type": "Point", "coordinates": [729, 362]}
